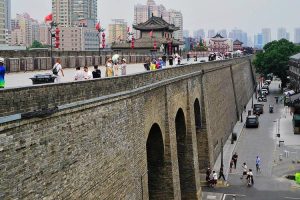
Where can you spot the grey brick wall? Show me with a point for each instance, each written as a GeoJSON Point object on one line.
{"type": "Point", "coordinates": [97, 150]}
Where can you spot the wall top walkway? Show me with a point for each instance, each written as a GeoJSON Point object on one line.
{"type": "Point", "coordinates": [27, 99]}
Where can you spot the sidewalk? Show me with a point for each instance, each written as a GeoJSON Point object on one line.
{"type": "Point", "coordinates": [228, 151]}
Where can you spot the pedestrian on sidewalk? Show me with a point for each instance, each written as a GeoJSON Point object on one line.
{"type": "Point", "coordinates": [231, 165]}
{"type": "Point", "coordinates": [257, 164]}
{"type": "Point", "coordinates": [250, 176]}
{"type": "Point", "coordinates": [234, 158]}
{"type": "Point", "coordinates": [245, 168]}
{"type": "Point", "coordinates": [208, 172]}
{"type": "Point", "coordinates": [215, 178]}
{"type": "Point", "coordinates": [221, 174]}
{"type": "Point", "coordinates": [245, 108]}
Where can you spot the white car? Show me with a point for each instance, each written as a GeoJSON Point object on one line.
{"type": "Point", "coordinates": [265, 91]}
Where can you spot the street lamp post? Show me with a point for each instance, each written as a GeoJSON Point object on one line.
{"type": "Point", "coordinates": [222, 157]}
{"type": "Point", "coordinates": [52, 25]}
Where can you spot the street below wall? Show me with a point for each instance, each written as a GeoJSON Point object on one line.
{"type": "Point", "coordinates": [20, 79]}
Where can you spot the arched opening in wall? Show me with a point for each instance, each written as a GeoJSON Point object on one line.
{"type": "Point", "coordinates": [182, 154]}
{"type": "Point", "coordinates": [197, 115]}
{"type": "Point", "coordinates": [202, 139]}
{"type": "Point", "coordinates": [155, 163]}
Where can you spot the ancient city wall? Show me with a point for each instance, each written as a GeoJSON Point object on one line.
{"type": "Point", "coordinates": [95, 146]}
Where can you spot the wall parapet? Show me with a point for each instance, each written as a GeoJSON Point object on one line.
{"type": "Point", "coordinates": [37, 97]}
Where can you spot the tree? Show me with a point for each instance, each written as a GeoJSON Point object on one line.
{"type": "Point", "coordinates": [274, 59]}
{"type": "Point", "coordinates": [37, 44]}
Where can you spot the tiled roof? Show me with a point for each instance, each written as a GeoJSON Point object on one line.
{"type": "Point", "coordinates": [155, 23]}
{"type": "Point", "coordinates": [295, 57]}
{"type": "Point", "coordinates": [145, 43]}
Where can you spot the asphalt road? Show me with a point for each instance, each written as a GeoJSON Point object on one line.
{"type": "Point", "coordinates": [270, 183]}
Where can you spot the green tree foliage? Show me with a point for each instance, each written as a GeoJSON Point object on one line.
{"type": "Point", "coordinates": [37, 44]}
{"type": "Point", "coordinates": [274, 59]}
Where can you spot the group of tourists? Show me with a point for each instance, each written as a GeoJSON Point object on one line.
{"type": "Point", "coordinates": [161, 62]}
{"type": "Point", "coordinates": [212, 177]}
{"type": "Point", "coordinates": [112, 68]}
{"type": "Point", "coordinates": [115, 67]}
{"type": "Point", "coordinates": [86, 74]}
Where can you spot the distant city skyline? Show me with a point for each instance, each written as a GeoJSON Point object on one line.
{"type": "Point", "coordinates": [258, 14]}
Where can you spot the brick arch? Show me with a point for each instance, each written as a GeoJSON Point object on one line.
{"type": "Point", "coordinates": [197, 113]}
{"type": "Point", "coordinates": [202, 137]}
{"type": "Point", "coordinates": [185, 157]}
{"type": "Point", "coordinates": [155, 163]}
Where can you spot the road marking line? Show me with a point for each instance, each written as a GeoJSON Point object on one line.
{"type": "Point", "coordinates": [237, 195]}
{"type": "Point", "coordinates": [291, 198]}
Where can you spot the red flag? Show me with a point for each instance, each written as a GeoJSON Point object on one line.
{"type": "Point", "coordinates": [98, 27]}
{"type": "Point", "coordinates": [151, 34]}
{"type": "Point", "coordinates": [48, 18]}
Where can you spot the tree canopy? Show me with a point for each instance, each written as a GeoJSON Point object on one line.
{"type": "Point", "coordinates": [274, 58]}
{"type": "Point", "coordinates": [37, 44]}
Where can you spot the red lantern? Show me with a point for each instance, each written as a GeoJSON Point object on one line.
{"type": "Point", "coordinates": [132, 42]}
{"type": "Point", "coordinates": [170, 47]}
{"type": "Point", "coordinates": [57, 43]}
{"type": "Point", "coordinates": [103, 40]}
{"type": "Point", "coordinates": [155, 45]}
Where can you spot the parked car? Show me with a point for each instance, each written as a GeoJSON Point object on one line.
{"type": "Point", "coordinates": [265, 87]}
{"type": "Point", "coordinates": [263, 90]}
{"type": "Point", "coordinates": [258, 109]}
{"type": "Point", "coordinates": [262, 98]}
{"type": "Point", "coordinates": [252, 121]}
{"type": "Point", "coordinates": [268, 82]}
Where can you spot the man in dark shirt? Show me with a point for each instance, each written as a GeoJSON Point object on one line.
{"type": "Point", "coordinates": [96, 72]}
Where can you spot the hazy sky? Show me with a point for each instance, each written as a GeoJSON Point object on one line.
{"type": "Point", "coordinates": [248, 15]}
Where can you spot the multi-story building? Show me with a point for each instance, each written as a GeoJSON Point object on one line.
{"type": "Point", "coordinates": [117, 31]}
{"type": "Point", "coordinates": [297, 36]}
{"type": "Point", "coordinates": [258, 41]}
{"type": "Point", "coordinates": [68, 13]}
{"type": "Point", "coordinates": [177, 19]}
{"type": "Point", "coordinates": [211, 33]}
{"type": "Point", "coordinates": [266, 32]}
{"type": "Point", "coordinates": [2, 22]}
{"type": "Point", "coordinates": [24, 30]}
{"type": "Point", "coordinates": [8, 15]}
{"type": "Point", "coordinates": [44, 34]}
{"type": "Point", "coordinates": [282, 34]}
{"type": "Point", "coordinates": [78, 39]}
{"type": "Point", "coordinates": [199, 34]}
{"type": "Point", "coordinates": [61, 10]}
{"type": "Point", "coordinates": [238, 34]}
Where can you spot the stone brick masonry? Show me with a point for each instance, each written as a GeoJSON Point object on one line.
{"type": "Point", "coordinates": [94, 145]}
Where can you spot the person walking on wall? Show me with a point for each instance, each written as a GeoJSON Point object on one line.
{"type": "Point", "coordinates": [56, 69]}
{"type": "Point", "coordinates": [97, 72]}
{"type": "Point", "coordinates": [109, 72]}
{"type": "Point", "coordinates": [2, 73]}
{"type": "Point", "coordinates": [78, 74]}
